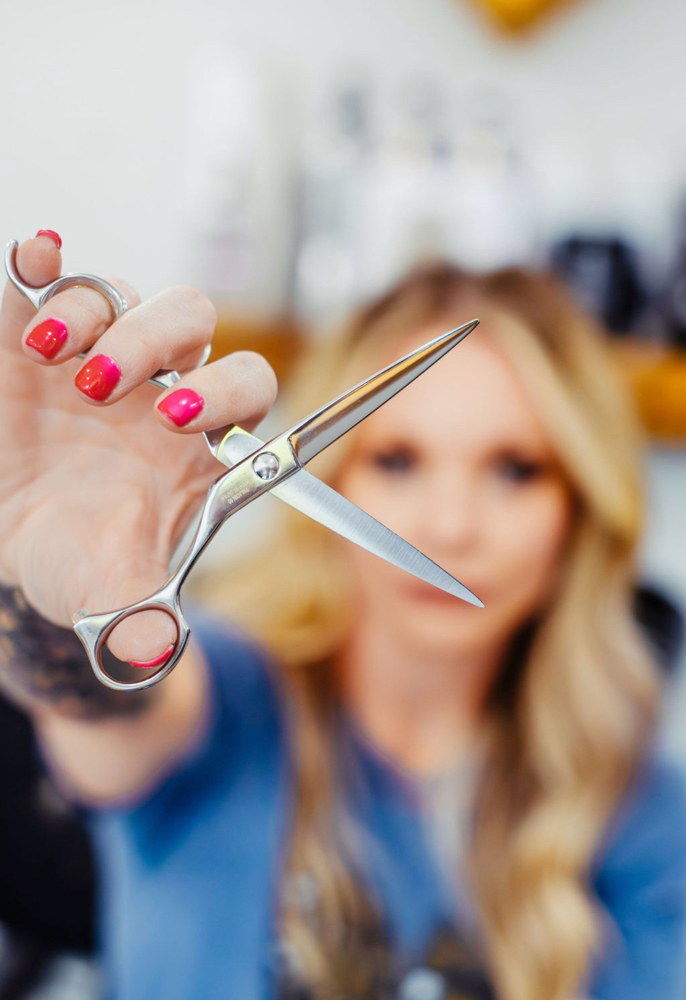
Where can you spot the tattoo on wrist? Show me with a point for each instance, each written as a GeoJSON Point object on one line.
{"type": "Point", "coordinates": [48, 664]}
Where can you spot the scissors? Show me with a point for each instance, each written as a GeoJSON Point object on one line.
{"type": "Point", "coordinates": [256, 468]}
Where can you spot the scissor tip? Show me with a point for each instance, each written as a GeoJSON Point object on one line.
{"type": "Point", "coordinates": [460, 332]}
{"type": "Point", "coordinates": [458, 589]}
{"type": "Point", "coordinates": [470, 598]}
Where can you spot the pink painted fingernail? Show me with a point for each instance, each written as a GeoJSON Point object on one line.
{"type": "Point", "coordinates": [48, 337]}
{"type": "Point", "coordinates": [53, 236]}
{"type": "Point", "coordinates": [98, 377]}
{"type": "Point", "coordinates": [181, 406]}
{"type": "Point", "coordinates": [148, 664]}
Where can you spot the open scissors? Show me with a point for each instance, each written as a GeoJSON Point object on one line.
{"type": "Point", "coordinates": [256, 468]}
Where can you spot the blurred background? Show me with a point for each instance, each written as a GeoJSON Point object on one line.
{"type": "Point", "coordinates": [293, 158]}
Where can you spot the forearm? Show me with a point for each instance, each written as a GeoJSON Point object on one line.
{"type": "Point", "coordinates": [45, 666]}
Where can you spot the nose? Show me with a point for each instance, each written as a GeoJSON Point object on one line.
{"type": "Point", "coordinates": [450, 511]}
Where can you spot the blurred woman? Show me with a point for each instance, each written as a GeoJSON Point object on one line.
{"type": "Point", "coordinates": [514, 465]}
{"type": "Point", "coordinates": [385, 792]}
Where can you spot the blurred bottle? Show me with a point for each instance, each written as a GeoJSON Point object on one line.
{"type": "Point", "coordinates": [241, 144]}
{"type": "Point", "coordinates": [433, 196]}
{"type": "Point", "coordinates": [379, 199]}
{"type": "Point", "coordinates": [335, 160]}
{"type": "Point", "coordinates": [404, 211]}
{"type": "Point", "coordinates": [494, 212]}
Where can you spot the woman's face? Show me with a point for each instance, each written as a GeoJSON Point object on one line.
{"type": "Point", "coordinates": [460, 466]}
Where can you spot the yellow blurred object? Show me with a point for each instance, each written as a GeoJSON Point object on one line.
{"type": "Point", "coordinates": [280, 341]}
{"type": "Point", "coordinates": [657, 377]}
{"type": "Point", "coordinates": [517, 14]}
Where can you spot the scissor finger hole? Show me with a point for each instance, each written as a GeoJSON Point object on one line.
{"type": "Point", "coordinates": [124, 672]}
{"type": "Point", "coordinates": [139, 672]}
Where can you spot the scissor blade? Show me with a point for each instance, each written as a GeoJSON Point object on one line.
{"type": "Point", "coordinates": [329, 422]}
{"type": "Point", "coordinates": [312, 497]}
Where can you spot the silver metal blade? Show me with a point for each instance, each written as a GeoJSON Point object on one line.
{"type": "Point", "coordinates": [321, 428]}
{"type": "Point", "coordinates": [215, 438]}
{"type": "Point", "coordinates": [323, 504]}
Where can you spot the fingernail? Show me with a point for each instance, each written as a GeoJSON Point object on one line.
{"type": "Point", "coordinates": [53, 236]}
{"type": "Point", "coordinates": [48, 337]}
{"type": "Point", "coordinates": [181, 406]}
{"type": "Point", "coordinates": [147, 664]}
{"type": "Point", "coordinates": [98, 378]}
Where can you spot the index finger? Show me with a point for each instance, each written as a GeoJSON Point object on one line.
{"type": "Point", "coordinates": [39, 262]}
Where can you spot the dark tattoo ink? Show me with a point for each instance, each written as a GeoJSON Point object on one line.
{"type": "Point", "coordinates": [48, 664]}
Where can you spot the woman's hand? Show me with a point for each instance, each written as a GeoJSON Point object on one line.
{"type": "Point", "coordinates": [99, 482]}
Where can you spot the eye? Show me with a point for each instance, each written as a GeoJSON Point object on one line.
{"type": "Point", "coordinates": [394, 460]}
{"type": "Point", "coordinates": [517, 469]}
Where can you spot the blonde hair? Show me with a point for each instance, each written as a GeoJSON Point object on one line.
{"type": "Point", "coordinates": [569, 717]}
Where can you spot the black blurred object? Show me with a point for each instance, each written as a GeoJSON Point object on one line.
{"type": "Point", "coordinates": [47, 883]}
{"type": "Point", "coordinates": [662, 624]}
{"type": "Point", "coordinates": [674, 299]}
{"type": "Point", "coordinates": [604, 275]}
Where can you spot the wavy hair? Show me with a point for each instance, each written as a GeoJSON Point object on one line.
{"type": "Point", "coordinates": [570, 714]}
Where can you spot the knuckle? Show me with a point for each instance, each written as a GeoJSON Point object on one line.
{"type": "Point", "coordinates": [199, 307]}
{"type": "Point", "coordinates": [258, 369]}
{"type": "Point", "coordinates": [96, 308]}
{"type": "Point", "coordinates": [147, 348]}
{"type": "Point", "coordinates": [87, 307]}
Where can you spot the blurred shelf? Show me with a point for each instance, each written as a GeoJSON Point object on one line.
{"type": "Point", "coordinates": [657, 377]}
{"type": "Point", "coordinates": [655, 374]}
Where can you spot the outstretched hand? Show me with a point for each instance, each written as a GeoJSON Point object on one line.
{"type": "Point", "coordinates": [101, 473]}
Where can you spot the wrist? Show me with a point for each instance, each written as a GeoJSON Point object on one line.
{"type": "Point", "coordinates": [44, 666]}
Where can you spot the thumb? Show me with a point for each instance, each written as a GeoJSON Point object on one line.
{"type": "Point", "coordinates": [145, 639]}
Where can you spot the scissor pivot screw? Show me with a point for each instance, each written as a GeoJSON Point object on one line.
{"type": "Point", "coordinates": [266, 465]}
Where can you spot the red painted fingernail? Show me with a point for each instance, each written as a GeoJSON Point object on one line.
{"type": "Point", "coordinates": [181, 406]}
{"type": "Point", "coordinates": [147, 664]}
{"type": "Point", "coordinates": [98, 377]}
{"type": "Point", "coordinates": [53, 236]}
{"type": "Point", "coordinates": [48, 337]}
